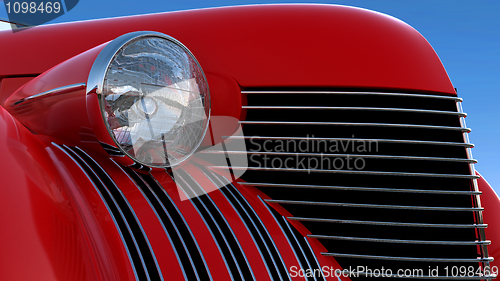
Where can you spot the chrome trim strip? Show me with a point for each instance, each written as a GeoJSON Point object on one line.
{"type": "Point", "coordinates": [386, 125]}
{"type": "Point", "coordinates": [312, 252]}
{"type": "Point", "coordinates": [476, 199]}
{"type": "Point", "coordinates": [263, 227]}
{"type": "Point", "coordinates": [220, 231]}
{"type": "Point", "coordinates": [211, 232]}
{"type": "Point", "coordinates": [243, 221]}
{"type": "Point", "coordinates": [397, 241]}
{"type": "Point", "coordinates": [374, 206]}
{"type": "Point", "coordinates": [284, 234]}
{"type": "Point", "coordinates": [406, 258]}
{"type": "Point", "coordinates": [188, 228]}
{"type": "Point", "coordinates": [406, 224]}
{"type": "Point", "coordinates": [107, 207]}
{"type": "Point", "coordinates": [374, 173]}
{"type": "Point", "coordinates": [356, 93]}
{"type": "Point", "coordinates": [461, 114]}
{"type": "Point", "coordinates": [341, 155]}
{"type": "Point", "coordinates": [298, 244]}
{"type": "Point", "coordinates": [126, 221]}
{"type": "Point", "coordinates": [469, 145]}
{"type": "Point", "coordinates": [99, 68]}
{"type": "Point", "coordinates": [376, 189]}
{"type": "Point", "coordinates": [157, 217]}
{"type": "Point", "coordinates": [50, 93]}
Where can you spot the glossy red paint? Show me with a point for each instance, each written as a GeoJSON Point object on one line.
{"type": "Point", "coordinates": [74, 117]}
{"type": "Point", "coordinates": [491, 215]}
{"type": "Point", "coordinates": [224, 96]}
{"type": "Point", "coordinates": [10, 85]}
{"type": "Point", "coordinates": [260, 46]}
{"type": "Point", "coordinates": [56, 227]}
{"type": "Point", "coordinates": [62, 116]}
{"type": "Point", "coordinates": [251, 47]}
{"type": "Point", "coordinates": [226, 101]}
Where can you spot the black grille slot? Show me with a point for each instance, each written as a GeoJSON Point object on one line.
{"type": "Point", "coordinates": [412, 202]}
{"type": "Point", "coordinates": [183, 241]}
{"type": "Point", "coordinates": [351, 99]}
{"type": "Point", "coordinates": [300, 246]}
{"type": "Point", "coordinates": [342, 114]}
{"type": "Point", "coordinates": [230, 249]}
{"type": "Point", "coordinates": [358, 130]}
{"type": "Point", "coordinates": [261, 237]}
{"type": "Point", "coordinates": [111, 150]}
{"type": "Point", "coordinates": [142, 257]}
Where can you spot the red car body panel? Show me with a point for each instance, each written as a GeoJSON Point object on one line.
{"type": "Point", "coordinates": [491, 204]}
{"type": "Point", "coordinates": [56, 226]}
{"type": "Point", "coordinates": [10, 85]}
{"type": "Point", "coordinates": [236, 41]}
{"type": "Point", "coordinates": [53, 205]}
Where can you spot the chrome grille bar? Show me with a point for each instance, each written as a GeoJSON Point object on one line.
{"type": "Point", "coordinates": [408, 258]}
{"type": "Point", "coordinates": [306, 254]}
{"type": "Point", "coordinates": [410, 126]}
{"type": "Point", "coordinates": [476, 201]}
{"type": "Point", "coordinates": [373, 206]}
{"type": "Point", "coordinates": [301, 154]}
{"type": "Point", "coordinates": [111, 207]}
{"type": "Point", "coordinates": [184, 243]}
{"type": "Point", "coordinates": [222, 233]}
{"type": "Point", "coordinates": [461, 114]}
{"type": "Point", "coordinates": [271, 263]}
{"type": "Point", "coordinates": [265, 244]}
{"type": "Point", "coordinates": [356, 93]}
{"type": "Point", "coordinates": [454, 192]}
{"type": "Point", "coordinates": [384, 223]}
{"type": "Point", "coordinates": [397, 241]}
{"type": "Point", "coordinates": [423, 163]}
{"type": "Point", "coordinates": [374, 173]}
{"type": "Point", "coordinates": [143, 258]}
{"type": "Point", "coordinates": [468, 145]}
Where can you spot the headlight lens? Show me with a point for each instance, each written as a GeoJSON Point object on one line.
{"type": "Point", "coordinates": [155, 100]}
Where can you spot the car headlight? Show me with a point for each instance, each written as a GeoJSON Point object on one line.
{"type": "Point", "coordinates": [153, 97]}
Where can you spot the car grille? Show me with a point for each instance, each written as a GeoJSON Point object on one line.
{"type": "Point", "coordinates": [134, 239]}
{"type": "Point", "coordinates": [383, 180]}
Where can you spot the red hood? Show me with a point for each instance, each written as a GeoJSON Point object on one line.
{"type": "Point", "coordinates": [323, 46]}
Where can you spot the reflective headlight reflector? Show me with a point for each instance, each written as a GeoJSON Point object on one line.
{"type": "Point", "coordinates": [154, 99]}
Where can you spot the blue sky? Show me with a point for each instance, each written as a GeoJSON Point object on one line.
{"type": "Point", "coordinates": [465, 35]}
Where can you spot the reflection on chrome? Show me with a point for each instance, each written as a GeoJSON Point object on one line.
{"type": "Point", "coordinates": [156, 101]}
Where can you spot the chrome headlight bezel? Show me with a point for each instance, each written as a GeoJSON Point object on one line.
{"type": "Point", "coordinates": [96, 83]}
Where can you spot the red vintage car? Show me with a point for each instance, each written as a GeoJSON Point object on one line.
{"type": "Point", "coordinates": [273, 142]}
